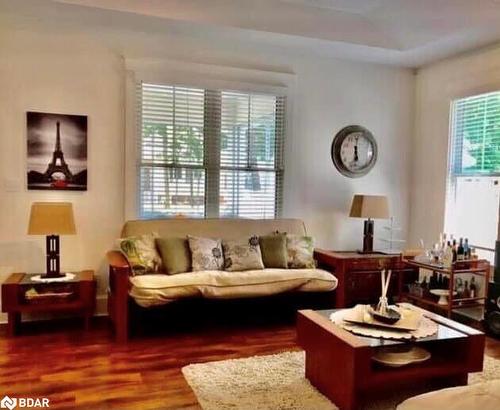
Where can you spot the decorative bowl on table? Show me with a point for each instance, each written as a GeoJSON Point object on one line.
{"type": "Point", "coordinates": [361, 315]}
{"type": "Point", "coordinates": [443, 295]}
{"type": "Point", "coordinates": [389, 316]}
{"type": "Point", "coordinates": [401, 356]}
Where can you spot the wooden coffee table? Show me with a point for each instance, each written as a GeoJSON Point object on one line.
{"type": "Point", "coordinates": [339, 364]}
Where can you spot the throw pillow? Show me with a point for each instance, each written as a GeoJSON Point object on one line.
{"type": "Point", "coordinates": [141, 253]}
{"type": "Point", "coordinates": [175, 254]}
{"type": "Point", "coordinates": [273, 249]}
{"type": "Point", "coordinates": [300, 251]}
{"type": "Point", "coordinates": [242, 254]}
{"type": "Point", "coordinates": [206, 253]}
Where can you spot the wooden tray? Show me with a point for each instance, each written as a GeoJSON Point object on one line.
{"type": "Point", "coordinates": [410, 319]}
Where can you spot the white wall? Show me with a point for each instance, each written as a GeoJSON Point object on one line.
{"type": "Point", "coordinates": [437, 85]}
{"type": "Point", "coordinates": [75, 72]}
{"type": "Point", "coordinates": [42, 73]}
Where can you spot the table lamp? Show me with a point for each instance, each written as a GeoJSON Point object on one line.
{"type": "Point", "coordinates": [369, 206]}
{"type": "Point", "coordinates": [52, 219]}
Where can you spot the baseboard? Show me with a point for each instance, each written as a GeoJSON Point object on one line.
{"type": "Point", "coordinates": [101, 309]}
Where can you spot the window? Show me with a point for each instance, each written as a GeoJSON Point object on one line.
{"type": "Point", "coordinates": [472, 207]}
{"type": "Point", "coordinates": [209, 153]}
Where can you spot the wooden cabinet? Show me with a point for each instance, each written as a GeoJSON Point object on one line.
{"type": "Point", "coordinates": [359, 275]}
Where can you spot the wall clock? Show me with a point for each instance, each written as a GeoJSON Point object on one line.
{"type": "Point", "coordinates": [354, 151]}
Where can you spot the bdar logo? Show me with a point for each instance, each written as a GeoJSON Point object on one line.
{"type": "Point", "coordinates": [8, 403]}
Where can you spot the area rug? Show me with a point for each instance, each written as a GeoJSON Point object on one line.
{"type": "Point", "coordinates": [277, 382]}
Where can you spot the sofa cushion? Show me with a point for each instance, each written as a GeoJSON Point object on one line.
{"type": "Point", "coordinates": [152, 290]}
{"type": "Point", "coordinates": [242, 254]}
{"type": "Point", "coordinates": [300, 251]}
{"type": "Point", "coordinates": [273, 249]}
{"type": "Point", "coordinates": [206, 253]}
{"type": "Point", "coordinates": [141, 253]}
{"type": "Point", "coordinates": [175, 254]}
{"type": "Point", "coordinates": [480, 396]}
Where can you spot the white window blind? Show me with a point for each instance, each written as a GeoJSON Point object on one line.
{"type": "Point", "coordinates": [476, 135]}
{"type": "Point", "coordinates": [473, 189]}
{"type": "Point", "coordinates": [209, 153]}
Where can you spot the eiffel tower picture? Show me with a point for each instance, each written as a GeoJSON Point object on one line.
{"type": "Point", "coordinates": [62, 167]}
{"type": "Point", "coordinates": [57, 151]}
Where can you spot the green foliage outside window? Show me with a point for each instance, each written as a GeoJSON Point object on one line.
{"type": "Point", "coordinates": [477, 135]}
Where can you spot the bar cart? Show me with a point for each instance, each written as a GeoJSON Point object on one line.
{"type": "Point", "coordinates": [457, 271]}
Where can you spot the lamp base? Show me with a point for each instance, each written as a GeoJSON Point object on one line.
{"type": "Point", "coordinates": [368, 236]}
{"type": "Point", "coordinates": [52, 275]}
{"type": "Point", "coordinates": [53, 263]}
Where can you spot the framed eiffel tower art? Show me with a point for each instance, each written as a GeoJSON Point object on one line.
{"type": "Point", "coordinates": [57, 151]}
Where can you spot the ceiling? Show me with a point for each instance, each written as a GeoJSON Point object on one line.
{"type": "Point", "coordinates": [408, 33]}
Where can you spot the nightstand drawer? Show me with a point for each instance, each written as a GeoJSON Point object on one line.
{"type": "Point", "coordinates": [369, 264]}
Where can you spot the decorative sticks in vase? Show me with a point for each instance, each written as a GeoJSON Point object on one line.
{"type": "Point", "coordinates": [382, 302]}
{"type": "Point", "coordinates": [382, 312]}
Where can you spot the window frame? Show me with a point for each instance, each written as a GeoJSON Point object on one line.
{"type": "Point", "coordinates": [133, 208]}
{"type": "Point", "coordinates": [188, 74]}
{"type": "Point", "coordinates": [452, 175]}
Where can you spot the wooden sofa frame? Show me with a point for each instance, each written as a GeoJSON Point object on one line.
{"type": "Point", "coordinates": [121, 304]}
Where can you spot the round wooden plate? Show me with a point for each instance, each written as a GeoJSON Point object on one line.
{"type": "Point", "coordinates": [397, 357]}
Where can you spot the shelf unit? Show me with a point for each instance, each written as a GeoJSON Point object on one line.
{"type": "Point", "coordinates": [479, 267]}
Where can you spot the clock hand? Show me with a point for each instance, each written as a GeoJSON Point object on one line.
{"type": "Point", "coordinates": [356, 157]}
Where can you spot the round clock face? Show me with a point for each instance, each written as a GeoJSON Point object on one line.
{"type": "Point", "coordinates": [354, 151]}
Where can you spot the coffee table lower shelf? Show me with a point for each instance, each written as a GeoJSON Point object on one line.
{"type": "Point", "coordinates": [339, 364]}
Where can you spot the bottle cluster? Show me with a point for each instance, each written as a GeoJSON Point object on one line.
{"type": "Point", "coordinates": [448, 251]}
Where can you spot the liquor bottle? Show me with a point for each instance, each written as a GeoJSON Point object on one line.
{"type": "Point", "coordinates": [442, 241]}
{"type": "Point", "coordinates": [446, 282]}
{"type": "Point", "coordinates": [424, 287]}
{"type": "Point", "coordinates": [454, 250]}
{"type": "Point", "coordinates": [466, 293]}
{"type": "Point", "coordinates": [433, 282]}
{"type": "Point", "coordinates": [459, 288]}
{"type": "Point", "coordinates": [473, 288]}
{"type": "Point", "coordinates": [473, 254]}
{"type": "Point", "coordinates": [460, 250]}
{"type": "Point", "coordinates": [466, 249]}
{"type": "Point", "coordinates": [440, 281]}
{"type": "Point", "coordinates": [448, 256]}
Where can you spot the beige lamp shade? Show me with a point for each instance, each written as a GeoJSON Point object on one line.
{"type": "Point", "coordinates": [369, 206]}
{"type": "Point", "coordinates": [51, 218]}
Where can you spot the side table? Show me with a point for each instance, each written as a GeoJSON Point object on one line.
{"type": "Point", "coordinates": [359, 275]}
{"type": "Point", "coordinates": [77, 295]}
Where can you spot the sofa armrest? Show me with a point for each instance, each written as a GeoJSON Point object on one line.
{"type": "Point", "coordinates": [119, 284]}
{"type": "Point", "coordinates": [119, 272]}
{"type": "Point", "coordinates": [116, 260]}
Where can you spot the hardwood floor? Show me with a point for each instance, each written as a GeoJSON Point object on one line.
{"type": "Point", "coordinates": [82, 370]}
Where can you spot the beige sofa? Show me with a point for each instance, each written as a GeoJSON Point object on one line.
{"type": "Point", "coordinates": [147, 291]}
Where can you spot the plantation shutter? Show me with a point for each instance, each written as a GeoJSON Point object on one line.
{"type": "Point", "coordinates": [209, 153]}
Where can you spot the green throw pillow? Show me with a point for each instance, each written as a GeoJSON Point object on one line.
{"type": "Point", "coordinates": [141, 253]}
{"type": "Point", "coordinates": [175, 254]}
{"type": "Point", "coordinates": [273, 249]}
{"type": "Point", "coordinates": [300, 252]}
